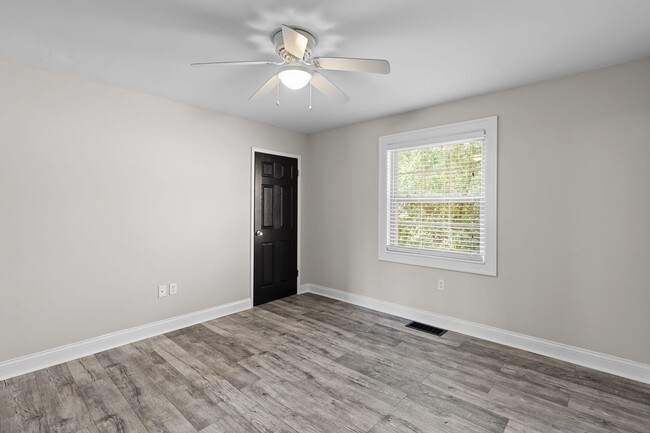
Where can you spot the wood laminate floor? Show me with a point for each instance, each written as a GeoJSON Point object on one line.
{"type": "Point", "coordinates": [311, 364]}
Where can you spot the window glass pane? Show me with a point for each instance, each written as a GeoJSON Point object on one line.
{"type": "Point", "coordinates": [443, 226]}
{"type": "Point", "coordinates": [441, 170]}
{"type": "Point", "coordinates": [437, 197]}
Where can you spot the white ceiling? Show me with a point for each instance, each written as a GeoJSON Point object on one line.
{"type": "Point", "coordinates": [439, 50]}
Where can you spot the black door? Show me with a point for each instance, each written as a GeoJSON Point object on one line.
{"type": "Point", "coordinates": [276, 228]}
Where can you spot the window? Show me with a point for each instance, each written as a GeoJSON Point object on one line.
{"type": "Point", "coordinates": [437, 197]}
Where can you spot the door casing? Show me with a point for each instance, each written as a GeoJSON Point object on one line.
{"type": "Point", "coordinates": [251, 233]}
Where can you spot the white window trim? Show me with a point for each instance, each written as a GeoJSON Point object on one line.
{"type": "Point", "coordinates": [433, 135]}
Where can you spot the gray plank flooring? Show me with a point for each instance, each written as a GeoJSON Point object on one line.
{"type": "Point", "coordinates": [311, 364]}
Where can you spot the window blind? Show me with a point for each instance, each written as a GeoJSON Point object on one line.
{"type": "Point", "coordinates": [436, 198]}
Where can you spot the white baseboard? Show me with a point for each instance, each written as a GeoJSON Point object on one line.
{"type": "Point", "coordinates": [27, 364]}
{"type": "Point", "coordinates": [587, 358]}
{"type": "Point", "coordinates": [598, 361]}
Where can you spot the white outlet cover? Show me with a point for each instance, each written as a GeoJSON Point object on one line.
{"type": "Point", "coordinates": [173, 288]}
{"type": "Point", "coordinates": [162, 291]}
{"type": "Point", "coordinates": [441, 284]}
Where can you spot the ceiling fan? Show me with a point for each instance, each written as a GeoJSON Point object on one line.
{"type": "Point", "coordinates": [297, 67]}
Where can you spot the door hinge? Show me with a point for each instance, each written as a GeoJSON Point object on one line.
{"type": "Point", "coordinates": [297, 273]}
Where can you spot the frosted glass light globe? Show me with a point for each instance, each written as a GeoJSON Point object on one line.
{"type": "Point", "coordinates": [295, 77]}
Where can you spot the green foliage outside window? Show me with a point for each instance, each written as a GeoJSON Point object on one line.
{"type": "Point", "coordinates": [438, 197]}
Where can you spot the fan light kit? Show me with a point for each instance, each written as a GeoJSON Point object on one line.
{"type": "Point", "coordinates": [297, 68]}
{"type": "Point", "coordinates": [294, 77]}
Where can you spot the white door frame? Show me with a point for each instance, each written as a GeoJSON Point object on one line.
{"type": "Point", "coordinates": [255, 150]}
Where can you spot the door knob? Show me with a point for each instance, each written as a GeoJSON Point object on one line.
{"type": "Point", "coordinates": [259, 233]}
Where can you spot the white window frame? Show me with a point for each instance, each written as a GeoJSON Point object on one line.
{"type": "Point", "coordinates": [442, 134]}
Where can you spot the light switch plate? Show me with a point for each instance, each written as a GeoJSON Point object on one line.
{"type": "Point", "coordinates": [162, 291]}
{"type": "Point", "coordinates": [173, 288]}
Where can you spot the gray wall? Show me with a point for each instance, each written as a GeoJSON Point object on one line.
{"type": "Point", "coordinates": [107, 193]}
{"type": "Point", "coordinates": [573, 223]}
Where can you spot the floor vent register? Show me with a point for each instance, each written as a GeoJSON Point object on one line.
{"type": "Point", "coordinates": [426, 328]}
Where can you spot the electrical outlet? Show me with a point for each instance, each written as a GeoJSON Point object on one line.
{"type": "Point", "coordinates": [441, 284]}
{"type": "Point", "coordinates": [173, 288]}
{"type": "Point", "coordinates": [162, 291]}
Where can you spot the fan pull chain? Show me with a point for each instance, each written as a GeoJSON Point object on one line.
{"type": "Point", "coordinates": [277, 98]}
{"type": "Point", "coordinates": [310, 96]}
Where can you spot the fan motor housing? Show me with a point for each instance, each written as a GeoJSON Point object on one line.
{"type": "Point", "coordinates": [278, 41]}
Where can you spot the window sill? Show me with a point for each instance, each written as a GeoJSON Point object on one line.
{"type": "Point", "coordinates": [471, 267]}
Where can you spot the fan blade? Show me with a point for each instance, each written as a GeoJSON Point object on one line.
{"type": "Point", "coordinates": [253, 63]}
{"type": "Point", "coordinates": [294, 42]}
{"type": "Point", "coordinates": [327, 88]}
{"type": "Point", "coordinates": [375, 66]}
{"type": "Point", "coordinates": [271, 84]}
